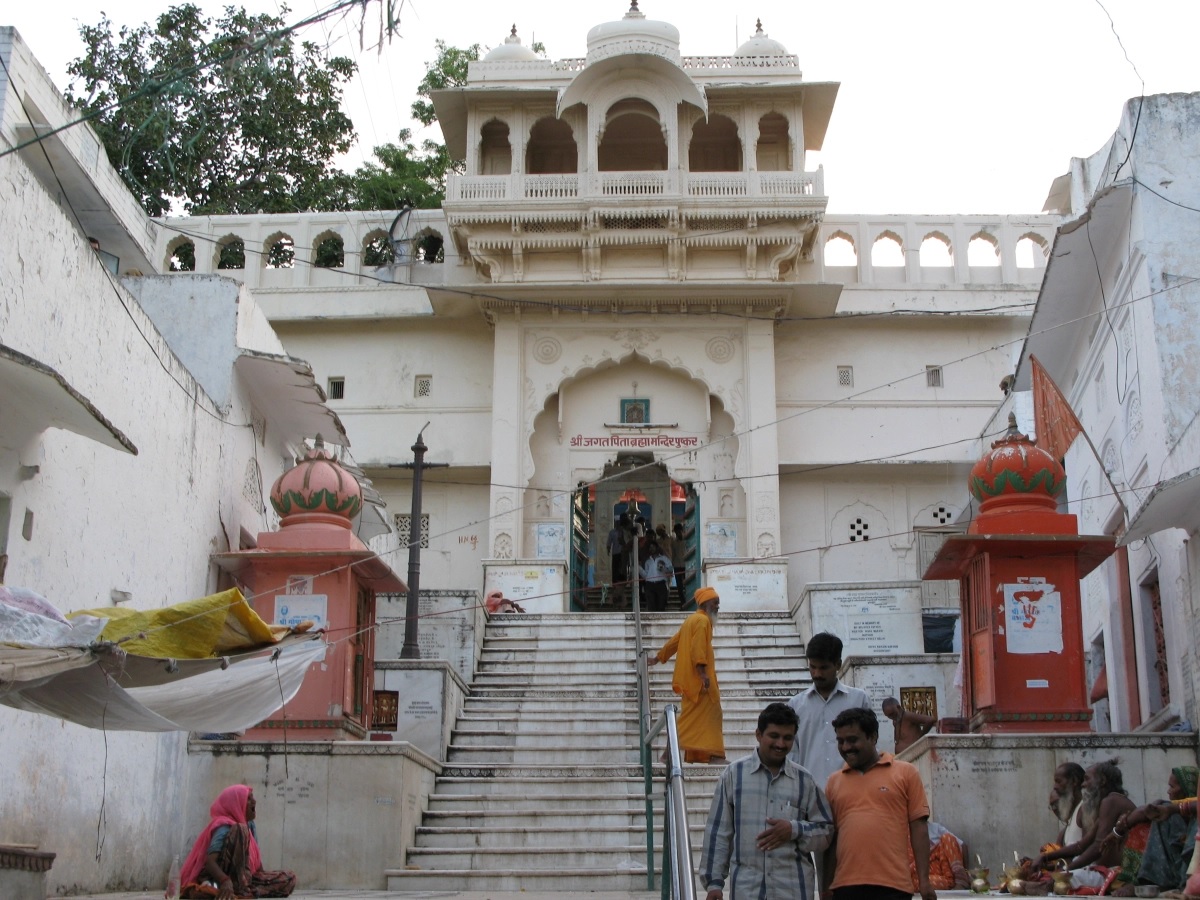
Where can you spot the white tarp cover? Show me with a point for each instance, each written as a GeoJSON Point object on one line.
{"type": "Point", "coordinates": [101, 687]}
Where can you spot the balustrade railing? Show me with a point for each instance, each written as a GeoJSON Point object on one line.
{"type": "Point", "coordinates": [487, 188]}
{"type": "Point", "coordinates": [550, 187]}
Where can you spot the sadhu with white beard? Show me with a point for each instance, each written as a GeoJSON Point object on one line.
{"type": "Point", "coordinates": [1067, 804]}
{"type": "Point", "coordinates": [701, 734]}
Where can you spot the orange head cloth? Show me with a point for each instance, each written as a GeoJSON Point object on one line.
{"type": "Point", "coordinates": [705, 594]}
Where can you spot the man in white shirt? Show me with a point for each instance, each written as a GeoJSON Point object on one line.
{"type": "Point", "coordinates": [656, 572]}
{"type": "Point", "coordinates": [816, 744]}
{"type": "Point", "coordinates": [816, 747]}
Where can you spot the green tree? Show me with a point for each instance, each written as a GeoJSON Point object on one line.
{"type": "Point", "coordinates": [404, 174]}
{"type": "Point", "coordinates": [224, 115]}
{"type": "Point", "coordinates": [447, 71]}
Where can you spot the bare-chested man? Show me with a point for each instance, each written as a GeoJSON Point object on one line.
{"type": "Point", "coordinates": [1103, 791]}
{"type": "Point", "coordinates": [909, 727]}
{"type": "Point", "coordinates": [1067, 803]}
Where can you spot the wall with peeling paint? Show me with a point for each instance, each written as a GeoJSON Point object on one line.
{"type": "Point", "coordinates": [87, 521]}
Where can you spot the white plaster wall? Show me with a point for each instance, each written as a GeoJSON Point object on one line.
{"type": "Point", "coordinates": [889, 411]}
{"type": "Point", "coordinates": [456, 501]}
{"type": "Point", "coordinates": [198, 315]}
{"type": "Point", "coordinates": [818, 509]}
{"type": "Point", "coordinates": [1134, 384]}
{"type": "Point", "coordinates": [105, 520]}
{"type": "Point", "coordinates": [381, 411]}
{"type": "Point", "coordinates": [336, 813]}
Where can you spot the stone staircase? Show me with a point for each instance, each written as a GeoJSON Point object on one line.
{"type": "Point", "coordinates": [543, 787]}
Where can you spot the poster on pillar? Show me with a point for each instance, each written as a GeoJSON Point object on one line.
{"type": "Point", "coordinates": [1033, 617]}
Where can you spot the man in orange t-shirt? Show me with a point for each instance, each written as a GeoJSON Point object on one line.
{"type": "Point", "coordinates": [879, 811]}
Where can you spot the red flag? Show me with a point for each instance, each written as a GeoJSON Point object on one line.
{"type": "Point", "coordinates": [1055, 421]}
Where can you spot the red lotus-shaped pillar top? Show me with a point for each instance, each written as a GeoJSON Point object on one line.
{"type": "Point", "coordinates": [316, 490]}
{"type": "Point", "coordinates": [1018, 485]}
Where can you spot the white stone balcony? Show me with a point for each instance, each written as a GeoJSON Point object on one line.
{"type": "Point", "coordinates": [635, 185]}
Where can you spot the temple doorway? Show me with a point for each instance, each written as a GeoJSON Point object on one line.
{"type": "Point", "coordinates": [635, 485]}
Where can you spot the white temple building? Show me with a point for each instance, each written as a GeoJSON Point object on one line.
{"type": "Point", "coordinates": [631, 297]}
{"type": "Point", "coordinates": [633, 292]}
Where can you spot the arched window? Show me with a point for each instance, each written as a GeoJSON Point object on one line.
{"type": "Point", "coordinates": [774, 144]}
{"type": "Point", "coordinates": [231, 253]}
{"type": "Point", "coordinates": [429, 246]}
{"type": "Point", "coordinates": [181, 255]}
{"type": "Point", "coordinates": [936, 251]}
{"type": "Point", "coordinates": [280, 252]}
{"type": "Point", "coordinates": [633, 139]}
{"type": "Point", "coordinates": [495, 152]}
{"type": "Point", "coordinates": [330, 251]}
{"type": "Point", "coordinates": [887, 252]}
{"type": "Point", "coordinates": [1032, 252]}
{"type": "Point", "coordinates": [983, 251]}
{"type": "Point", "coordinates": [377, 249]}
{"type": "Point", "coordinates": [840, 250]}
{"type": "Point", "coordinates": [552, 149]}
{"type": "Point", "coordinates": [715, 146]}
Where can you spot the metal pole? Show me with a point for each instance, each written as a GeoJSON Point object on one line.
{"type": "Point", "coordinates": [412, 609]}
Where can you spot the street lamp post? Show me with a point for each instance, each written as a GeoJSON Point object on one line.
{"type": "Point", "coordinates": [412, 608]}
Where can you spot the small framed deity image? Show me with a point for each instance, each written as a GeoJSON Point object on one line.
{"type": "Point", "coordinates": [635, 411]}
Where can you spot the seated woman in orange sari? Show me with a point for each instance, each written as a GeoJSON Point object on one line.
{"type": "Point", "coordinates": [947, 869]}
{"type": "Point", "coordinates": [225, 862]}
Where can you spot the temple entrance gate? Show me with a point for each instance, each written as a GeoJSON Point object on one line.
{"type": "Point", "coordinates": [635, 484]}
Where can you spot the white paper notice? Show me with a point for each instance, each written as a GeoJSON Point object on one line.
{"type": "Point", "coordinates": [1033, 617]}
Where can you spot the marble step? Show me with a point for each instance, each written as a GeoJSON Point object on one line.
{"type": "Point", "coordinates": [630, 850]}
{"type": "Point", "coordinates": [630, 877]}
{"type": "Point", "coordinates": [579, 835]}
{"type": "Point", "coordinates": [766, 641]}
{"type": "Point", "coordinates": [623, 780]}
{"type": "Point", "coordinates": [448, 807]}
{"type": "Point", "coordinates": [547, 755]}
{"type": "Point", "coordinates": [484, 721]}
{"type": "Point", "coordinates": [543, 788]}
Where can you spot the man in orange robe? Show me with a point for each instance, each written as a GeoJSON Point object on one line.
{"type": "Point", "coordinates": [701, 736]}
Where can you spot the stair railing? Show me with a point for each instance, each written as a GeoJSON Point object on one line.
{"type": "Point", "coordinates": [679, 882]}
{"type": "Point", "coordinates": [677, 841]}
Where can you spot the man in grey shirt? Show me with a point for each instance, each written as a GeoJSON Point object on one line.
{"type": "Point", "coordinates": [816, 744]}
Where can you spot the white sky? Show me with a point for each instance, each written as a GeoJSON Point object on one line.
{"type": "Point", "coordinates": [945, 106]}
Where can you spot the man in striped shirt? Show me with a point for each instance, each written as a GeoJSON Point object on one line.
{"type": "Point", "coordinates": [767, 817]}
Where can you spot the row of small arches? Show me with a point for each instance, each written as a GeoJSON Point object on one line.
{"type": "Point", "coordinates": [633, 140]}
{"type": "Point", "coordinates": [328, 251]}
{"type": "Point", "coordinates": [937, 250]}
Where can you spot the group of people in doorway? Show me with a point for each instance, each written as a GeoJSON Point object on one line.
{"type": "Point", "coordinates": [661, 561]}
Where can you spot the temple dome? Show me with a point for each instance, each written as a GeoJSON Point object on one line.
{"type": "Point", "coordinates": [317, 488]}
{"type": "Point", "coordinates": [512, 50]}
{"type": "Point", "coordinates": [633, 33]}
{"type": "Point", "coordinates": [760, 44]}
{"type": "Point", "coordinates": [1018, 486]}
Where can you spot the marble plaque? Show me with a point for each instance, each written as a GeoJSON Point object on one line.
{"type": "Point", "coordinates": [871, 621]}
{"type": "Point", "coordinates": [746, 587]}
{"type": "Point", "coordinates": [537, 587]}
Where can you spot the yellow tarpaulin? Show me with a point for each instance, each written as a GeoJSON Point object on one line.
{"type": "Point", "coordinates": [195, 629]}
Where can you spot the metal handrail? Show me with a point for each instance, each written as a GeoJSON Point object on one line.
{"type": "Point", "coordinates": [677, 838]}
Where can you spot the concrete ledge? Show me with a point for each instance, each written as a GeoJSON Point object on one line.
{"type": "Point", "coordinates": [991, 789]}
{"type": "Point", "coordinates": [23, 872]}
{"type": "Point", "coordinates": [26, 859]}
